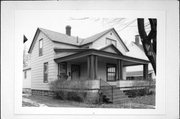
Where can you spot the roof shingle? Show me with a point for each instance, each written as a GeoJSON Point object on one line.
{"type": "Point", "coordinates": [59, 37]}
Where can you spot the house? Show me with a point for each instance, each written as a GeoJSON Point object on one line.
{"type": "Point", "coordinates": [136, 72]}
{"type": "Point", "coordinates": [26, 79]}
{"type": "Point", "coordinates": [138, 75]}
{"type": "Point", "coordinates": [99, 60]}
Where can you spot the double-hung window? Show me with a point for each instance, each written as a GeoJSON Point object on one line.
{"type": "Point", "coordinates": [62, 70]}
{"type": "Point", "coordinates": [40, 47]}
{"type": "Point", "coordinates": [45, 72]}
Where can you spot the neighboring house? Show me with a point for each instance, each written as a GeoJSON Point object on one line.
{"type": "Point", "coordinates": [137, 50]}
{"type": "Point", "coordinates": [138, 75]}
{"type": "Point", "coordinates": [98, 60]}
{"type": "Point", "coordinates": [26, 79]}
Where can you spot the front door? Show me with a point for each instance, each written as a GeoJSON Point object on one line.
{"type": "Point", "coordinates": [75, 72]}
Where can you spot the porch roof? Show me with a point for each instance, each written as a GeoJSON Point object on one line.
{"type": "Point", "coordinates": [87, 52]}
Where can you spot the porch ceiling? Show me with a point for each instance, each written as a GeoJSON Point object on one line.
{"type": "Point", "coordinates": [102, 55]}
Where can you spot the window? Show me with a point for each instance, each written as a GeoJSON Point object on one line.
{"type": "Point", "coordinates": [111, 41]}
{"type": "Point", "coordinates": [40, 47]}
{"type": "Point", "coordinates": [111, 72]}
{"type": "Point", "coordinates": [45, 72]}
{"type": "Point", "coordinates": [25, 74]}
{"type": "Point", "coordinates": [62, 71]}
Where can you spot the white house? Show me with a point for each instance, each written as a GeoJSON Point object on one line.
{"type": "Point", "coordinates": [26, 79]}
{"type": "Point", "coordinates": [99, 60]}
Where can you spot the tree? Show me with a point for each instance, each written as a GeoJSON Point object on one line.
{"type": "Point", "coordinates": [149, 41]}
{"type": "Point", "coordinates": [25, 57]}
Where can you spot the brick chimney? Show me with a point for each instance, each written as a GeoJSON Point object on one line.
{"type": "Point", "coordinates": [137, 38]}
{"type": "Point", "coordinates": [68, 30]}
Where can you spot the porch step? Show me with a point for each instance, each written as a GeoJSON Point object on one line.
{"type": "Point", "coordinates": [118, 95]}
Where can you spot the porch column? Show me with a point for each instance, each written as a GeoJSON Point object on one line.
{"type": "Point", "coordinates": [120, 69]}
{"type": "Point", "coordinates": [145, 71]}
{"type": "Point", "coordinates": [92, 64]}
{"type": "Point", "coordinates": [95, 66]}
{"type": "Point", "coordinates": [88, 67]}
{"type": "Point", "coordinates": [92, 67]}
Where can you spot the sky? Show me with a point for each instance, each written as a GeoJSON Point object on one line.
{"type": "Point", "coordinates": [82, 25]}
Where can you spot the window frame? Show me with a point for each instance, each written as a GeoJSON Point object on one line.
{"type": "Point", "coordinates": [111, 41]}
{"type": "Point", "coordinates": [108, 66]}
{"type": "Point", "coordinates": [47, 68]}
{"type": "Point", "coordinates": [61, 74]}
{"type": "Point", "coordinates": [41, 48]}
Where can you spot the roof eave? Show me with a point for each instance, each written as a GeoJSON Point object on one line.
{"type": "Point", "coordinates": [121, 40]}
{"type": "Point", "coordinates": [30, 48]}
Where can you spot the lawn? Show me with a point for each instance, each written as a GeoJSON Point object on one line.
{"type": "Point", "coordinates": [143, 102]}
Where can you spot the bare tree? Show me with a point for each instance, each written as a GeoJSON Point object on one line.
{"type": "Point", "coordinates": [149, 41]}
{"type": "Point", "coordinates": [25, 57]}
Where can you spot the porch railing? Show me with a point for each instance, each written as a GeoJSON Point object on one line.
{"type": "Point", "coordinates": [106, 89]}
{"type": "Point", "coordinates": [136, 83]}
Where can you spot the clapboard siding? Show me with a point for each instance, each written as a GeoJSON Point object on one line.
{"type": "Point", "coordinates": [27, 80]}
{"type": "Point", "coordinates": [61, 45]}
{"type": "Point", "coordinates": [37, 63]}
{"type": "Point", "coordinates": [101, 42]}
{"type": "Point", "coordinates": [62, 54]}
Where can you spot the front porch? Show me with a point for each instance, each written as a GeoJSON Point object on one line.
{"type": "Point", "coordinates": [99, 65]}
{"type": "Point", "coordinates": [100, 73]}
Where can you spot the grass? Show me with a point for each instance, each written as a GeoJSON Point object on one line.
{"type": "Point", "coordinates": [147, 99]}
{"type": "Point", "coordinates": [142, 102]}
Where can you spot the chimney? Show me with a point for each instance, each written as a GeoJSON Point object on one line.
{"type": "Point", "coordinates": [137, 38]}
{"type": "Point", "coordinates": [68, 30]}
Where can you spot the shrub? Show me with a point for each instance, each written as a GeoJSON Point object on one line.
{"type": "Point", "coordinates": [77, 96]}
{"type": "Point", "coordinates": [64, 90]}
{"type": "Point", "coordinates": [68, 84]}
{"type": "Point", "coordinates": [137, 92]}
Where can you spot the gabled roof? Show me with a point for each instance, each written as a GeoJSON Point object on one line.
{"type": "Point", "coordinates": [59, 37]}
{"type": "Point", "coordinates": [99, 35]}
{"type": "Point", "coordinates": [108, 48]}
{"type": "Point", "coordinates": [56, 37]}
{"type": "Point", "coordinates": [95, 37]}
{"type": "Point", "coordinates": [101, 54]}
{"type": "Point", "coordinates": [136, 51]}
{"type": "Point", "coordinates": [111, 46]}
{"type": "Point", "coordinates": [71, 40]}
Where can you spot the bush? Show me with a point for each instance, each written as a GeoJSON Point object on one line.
{"type": "Point", "coordinates": [68, 84]}
{"type": "Point", "coordinates": [64, 90]}
{"type": "Point", "coordinates": [70, 95]}
{"type": "Point", "coordinates": [137, 92]}
{"type": "Point", "coordinates": [77, 96]}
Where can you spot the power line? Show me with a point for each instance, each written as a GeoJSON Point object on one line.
{"type": "Point", "coordinates": [128, 24]}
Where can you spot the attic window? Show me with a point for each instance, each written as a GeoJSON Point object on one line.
{"type": "Point", "coordinates": [111, 41]}
{"type": "Point", "coordinates": [110, 33]}
{"type": "Point", "coordinates": [40, 47]}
